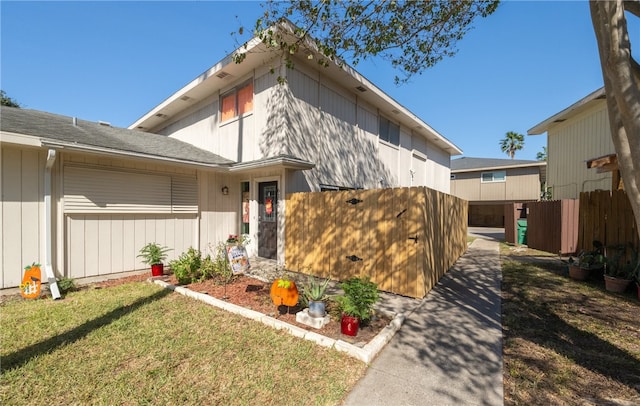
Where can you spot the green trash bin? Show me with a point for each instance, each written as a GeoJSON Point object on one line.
{"type": "Point", "coordinates": [522, 231]}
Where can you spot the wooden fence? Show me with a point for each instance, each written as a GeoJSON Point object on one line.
{"type": "Point", "coordinates": [606, 216]}
{"type": "Point", "coordinates": [404, 239]}
{"type": "Point", "coordinates": [552, 226]}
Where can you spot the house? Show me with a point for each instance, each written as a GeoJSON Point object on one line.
{"type": "Point", "coordinates": [489, 183]}
{"type": "Point", "coordinates": [217, 157]}
{"type": "Point", "coordinates": [578, 141]}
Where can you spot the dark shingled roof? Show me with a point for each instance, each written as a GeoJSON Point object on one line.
{"type": "Point", "coordinates": [470, 164]}
{"type": "Point", "coordinates": [55, 128]}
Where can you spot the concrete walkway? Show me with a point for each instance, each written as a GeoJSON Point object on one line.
{"type": "Point", "coordinates": [449, 350]}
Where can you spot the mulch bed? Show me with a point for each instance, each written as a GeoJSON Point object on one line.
{"type": "Point", "coordinates": [253, 294]}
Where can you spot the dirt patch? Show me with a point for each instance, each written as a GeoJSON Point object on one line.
{"type": "Point", "coordinates": [253, 294]}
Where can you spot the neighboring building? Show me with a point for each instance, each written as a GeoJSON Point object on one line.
{"type": "Point", "coordinates": [489, 183]}
{"type": "Point", "coordinates": [233, 143]}
{"type": "Point", "coordinates": [576, 136]}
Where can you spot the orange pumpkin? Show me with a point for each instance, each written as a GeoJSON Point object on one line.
{"type": "Point", "coordinates": [31, 282]}
{"type": "Point", "coordinates": [284, 292]}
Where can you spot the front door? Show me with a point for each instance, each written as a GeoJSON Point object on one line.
{"type": "Point", "coordinates": [268, 220]}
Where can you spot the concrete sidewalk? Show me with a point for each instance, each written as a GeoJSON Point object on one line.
{"type": "Point", "coordinates": [449, 350]}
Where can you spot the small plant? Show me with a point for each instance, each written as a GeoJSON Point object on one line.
{"type": "Point", "coordinates": [153, 253]}
{"type": "Point", "coordinates": [315, 289]}
{"type": "Point", "coordinates": [360, 294]}
{"type": "Point", "coordinates": [66, 285]}
{"type": "Point", "coordinates": [187, 267]}
{"type": "Point", "coordinates": [617, 266]}
{"type": "Point", "coordinates": [590, 259]}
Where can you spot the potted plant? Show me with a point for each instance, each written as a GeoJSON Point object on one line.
{"type": "Point", "coordinates": [618, 274]}
{"type": "Point", "coordinates": [314, 293]}
{"type": "Point", "coordinates": [284, 292]}
{"type": "Point", "coordinates": [586, 261]}
{"type": "Point", "coordinates": [154, 254]}
{"type": "Point", "coordinates": [360, 294]}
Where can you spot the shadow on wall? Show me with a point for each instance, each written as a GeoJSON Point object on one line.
{"type": "Point", "coordinates": [343, 155]}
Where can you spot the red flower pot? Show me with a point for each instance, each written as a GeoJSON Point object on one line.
{"type": "Point", "coordinates": [157, 269]}
{"type": "Point", "coordinates": [349, 325]}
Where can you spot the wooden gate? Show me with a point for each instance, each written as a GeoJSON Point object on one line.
{"type": "Point", "coordinates": [404, 239]}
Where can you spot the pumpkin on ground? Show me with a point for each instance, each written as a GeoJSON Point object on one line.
{"type": "Point", "coordinates": [284, 292]}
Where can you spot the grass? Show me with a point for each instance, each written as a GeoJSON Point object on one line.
{"type": "Point", "coordinates": [566, 342]}
{"type": "Point", "coordinates": [138, 344]}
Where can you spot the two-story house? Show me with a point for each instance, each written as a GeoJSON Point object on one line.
{"type": "Point", "coordinates": [578, 140]}
{"type": "Point", "coordinates": [217, 157]}
{"type": "Point", "coordinates": [489, 183]}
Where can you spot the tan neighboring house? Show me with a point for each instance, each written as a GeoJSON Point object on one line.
{"type": "Point", "coordinates": [489, 183]}
{"type": "Point", "coordinates": [580, 153]}
{"type": "Point", "coordinates": [217, 157]}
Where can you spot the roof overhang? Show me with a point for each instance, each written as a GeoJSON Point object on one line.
{"type": "Point", "coordinates": [500, 167]}
{"type": "Point", "coordinates": [278, 162]}
{"type": "Point", "coordinates": [606, 163]}
{"type": "Point", "coordinates": [570, 111]}
{"type": "Point", "coordinates": [226, 71]}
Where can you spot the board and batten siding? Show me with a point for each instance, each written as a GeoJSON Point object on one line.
{"type": "Point", "coordinates": [113, 207]}
{"type": "Point", "coordinates": [521, 184]}
{"type": "Point", "coordinates": [570, 145]}
{"type": "Point", "coordinates": [21, 211]}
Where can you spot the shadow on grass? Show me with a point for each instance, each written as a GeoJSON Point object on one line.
{"type": "Point", "coordinates": [534, 319]}
{"type": "Point", "coordinates": [24, 355]}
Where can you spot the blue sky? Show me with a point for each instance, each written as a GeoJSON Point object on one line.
{"type": "Point", "coordinates": [114, 61]}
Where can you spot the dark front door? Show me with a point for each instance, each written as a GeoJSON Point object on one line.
{"type": "Point", "coordinates": [268, 220]}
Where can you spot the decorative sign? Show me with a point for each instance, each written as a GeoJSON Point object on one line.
{"type": "Point", "coordinates": [268, 205]}
{"type": "Point", "coordinates": [238, 258]}
{"type": "Point", "coordinates": [31, 282]}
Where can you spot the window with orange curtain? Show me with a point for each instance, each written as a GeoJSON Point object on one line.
{"type": "Point", "coordinates": [237, 102]}
{"type": "Point", "coordinates": [245, 99]}
{"type": "Point", "coordinates": [228, 106]}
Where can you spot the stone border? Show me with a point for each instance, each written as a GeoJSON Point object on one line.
{"type": "Point", "coordinates": [365, 354]}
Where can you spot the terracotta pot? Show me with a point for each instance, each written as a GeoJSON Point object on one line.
{"type": "Point", "coordinates": [157, 269]}
{"type": "Point", "coordinates": [577, 273]}
{"type": "Point", "coordinates": [616, 285]}
{"type": "Point", "coordinates": [349, 325]}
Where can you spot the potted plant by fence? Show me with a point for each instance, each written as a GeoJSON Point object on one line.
{"type": "Point", "coordinates": [284, 292]}
{"type": "Point", "coordinates": [618, 273]}
{"type": "Point", "coordinates": [314, 293]}
{"type": "Point", "coordinates": [360, 295]}
{"type": "Point", "coordinates": [586, 261]}
{"type": "Point", "coordinates": [154, 254]}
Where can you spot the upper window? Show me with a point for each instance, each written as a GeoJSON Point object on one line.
{"type": "Point", "coordinates": [496, 176]}
{"type": "Point", "coordinates": [389, 131]}
{"type": "Point", "coordinates": [237, 102]}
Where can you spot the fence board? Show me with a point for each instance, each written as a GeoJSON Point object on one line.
{"type": "Point", "coordinates": [322, 230]}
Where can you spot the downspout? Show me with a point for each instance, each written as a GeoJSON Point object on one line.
{"type": "Point", "coordinates": [48, 226]}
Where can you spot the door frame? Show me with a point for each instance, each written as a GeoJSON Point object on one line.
{"type": "Point", "coordinates": [255, 222]}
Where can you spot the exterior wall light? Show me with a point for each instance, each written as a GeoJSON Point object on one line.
{"type": "Point", "coordinates": [225, 190]}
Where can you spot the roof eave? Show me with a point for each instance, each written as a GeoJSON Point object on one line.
{"type": "Point", "coordinates": [282, 162]}
{"type": "Point", "coordinates": [491, 168]}
{"type": "Point", "coordinates": [564, 114]}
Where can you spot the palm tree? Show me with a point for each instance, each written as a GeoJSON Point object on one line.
{"type": "Point", "coordinates": [511, 143]}
{"type": "Point", "coordinates": [542, 155]}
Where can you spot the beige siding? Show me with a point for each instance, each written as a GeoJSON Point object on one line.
{"type": "Point", "coordinates": [21, 209]}
{"type": "Point", "coordinates": [520, 184]}
{"type": "Point", "coordinates": [438, 169]}
{"type": "Point", "coordinates": [197, 125]}
{"type": "Point", "coordinates": [102, 244]}
{"type": "Point", "coordinates": [570, 145]}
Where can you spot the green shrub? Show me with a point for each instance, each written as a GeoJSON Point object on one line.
{"type": "Point", "coordinates": [66, 285]}
{"type": "Point", "coordinates": [360, 294]}
{"type": "Point", "coordinates": [187, 267]}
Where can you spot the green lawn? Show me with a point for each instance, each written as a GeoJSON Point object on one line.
{"type": "Point", "coordinates": [139, 344]}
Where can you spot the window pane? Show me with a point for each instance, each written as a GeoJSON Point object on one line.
{"type": "Point", "coordinates": [487, 176]}
{"type": "Point", "coordinates": [394, 133]}
{"type": "Point", "coordinates": [499, 176]}
{"type": "Point", "coordinates": [228, 107]}
{"type": "Point", "coordinates": [245, 99]}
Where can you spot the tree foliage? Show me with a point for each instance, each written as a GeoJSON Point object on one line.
{"type": "Point", "coordinates": [511, 143]}
{"type": "Point", "coordinates": [621, 74]}
{"type": "Point", "coordinates": [7, 101]}
{"type": "Point", "coordinates": [412, 35]}
{"type": "Point", "coordinates": [542, 155]}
